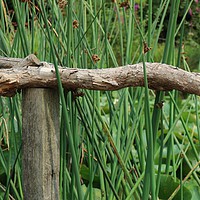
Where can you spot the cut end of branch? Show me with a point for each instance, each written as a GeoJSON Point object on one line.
{"type": "Point", "coordinates": [8, 87]}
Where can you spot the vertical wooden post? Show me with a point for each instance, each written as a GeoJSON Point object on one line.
{"type": "Point", "coordinates": [40, 144]}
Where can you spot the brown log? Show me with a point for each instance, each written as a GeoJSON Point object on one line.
{"type": "Point", "coordinates": [30, 72]}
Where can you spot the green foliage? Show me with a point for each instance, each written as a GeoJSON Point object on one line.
{"type": "Point", "coordinates": [168, 186]}
{"type": "Point", "coordinates": [124, 144]}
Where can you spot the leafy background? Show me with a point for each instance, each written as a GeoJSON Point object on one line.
{"type": "Point", "coordinates": [133, 143]}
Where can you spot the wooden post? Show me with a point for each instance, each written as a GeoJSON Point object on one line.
{"type": "Point", "coordinates": [41, 140]}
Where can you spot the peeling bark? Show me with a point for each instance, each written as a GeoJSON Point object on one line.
{"type": "Point", "coordinates": [18, 73]}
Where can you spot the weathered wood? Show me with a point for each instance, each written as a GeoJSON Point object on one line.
{"type": "Point", "coordinates": [41, 140]}
{"type": "Point", "coordinates": [29, 72]}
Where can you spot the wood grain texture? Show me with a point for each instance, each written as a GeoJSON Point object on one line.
{"type": "Point", "coordinates": [40, 144]}
{"type": "Point", "coordinates": [28, 73]}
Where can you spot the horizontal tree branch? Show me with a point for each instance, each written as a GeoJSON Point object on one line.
{"type": "Point", "coordinates": [18, 73]}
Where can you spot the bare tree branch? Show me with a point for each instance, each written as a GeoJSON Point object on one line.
{"type": "Point", "coordinates": [18, 73]}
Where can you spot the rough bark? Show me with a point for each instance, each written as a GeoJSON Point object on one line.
{"type": "Point", "coordinates": [30, 72]}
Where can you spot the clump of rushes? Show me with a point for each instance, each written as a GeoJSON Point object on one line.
{"type": "Point", "coordinates": [134, 143]}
